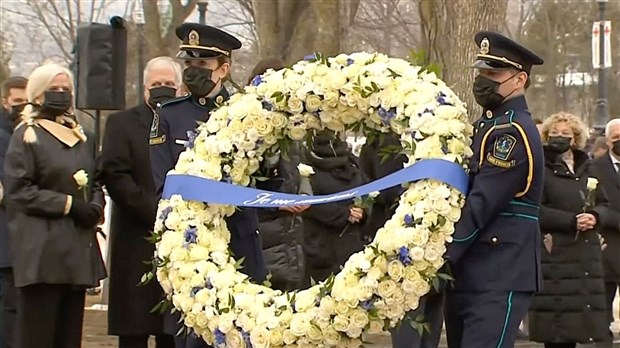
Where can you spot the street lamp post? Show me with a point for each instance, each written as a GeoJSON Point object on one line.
{"type": "Point", "coordinates": [602, 108]}
{"type": "Point", "coordinates": [202, 11]}
{"type": "Point", "coordinates": [139, 19]}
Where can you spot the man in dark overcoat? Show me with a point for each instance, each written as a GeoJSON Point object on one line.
{"type": "Point", "coordinates": [607, 168]}
{"type": "Point", "coordinates": [206, 52]}
{"type": "Point", "coordinates": [126, 172]}
{"type": "Point", "coordinates": [375, 166]}
{"type": "Point", "coordinates": [13, 102]}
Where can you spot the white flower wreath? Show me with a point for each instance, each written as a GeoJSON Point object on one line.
{"type": "Point", "coordinates": [367, 93]}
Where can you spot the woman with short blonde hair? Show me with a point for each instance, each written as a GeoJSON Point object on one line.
{"type": "Point", "coordinates": [54, 205]}
{"type": "Point", "coordinates": [578, 128]}
{"type": "Point", "coordinates": [571, 308]}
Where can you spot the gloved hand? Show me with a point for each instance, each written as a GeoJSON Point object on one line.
{"type": "Point", "coordinates": [85, 214]}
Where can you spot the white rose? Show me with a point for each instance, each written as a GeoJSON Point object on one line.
{"type": "Point", "coordinates": [386, 288]}
{"type": "Point", "coordinates": [341, 323]}
{"type": "Point", "coordinates": [198, 253]}
{"type": "Point", "coordinates": [314, 333]}
{"type": "Point", "coordinates": [331, 336]}
{"type": "Point", "coordinates": [421, 287]}
{"type": "Point", "coordinates": [312, 122]}
{"type": "Point", "coordinates": [592, 184]}
{"type": "Point", "coordinates": [234, 339]}
{"type": "Point", "coordinates": [263, 128]}
{"type": "Point", "coordinates": [305, 170]}
{"type": "Point", "coordinates": [260, 338]}
{"type": "Point", "coordinates": [359, 318]}
{"type": "Point", "coordinates": [278, 120]}
{"type": "Point", "coordinates": [81, 178]}
{"type": "Point", "coordinates": [275, 337]}
{"type": "Point", "coordinates": [313, 103]}
{"type": "Point", "coordinates": [396, 270]}
{"type": "Point", "coordinates": [300, 324]}
{"type": "Point", "coordinates": [327, 305]}
{"type": "Point", "coordinates": [416, 253]}
{"type": "Point", "coordinates": [376, 327]}
{"type": "Point", "coordinates": [295, 105]}
{"type": "Point", "coordinates": [297, 133]}
{"type": "Point", "coordinates": [288, 337]}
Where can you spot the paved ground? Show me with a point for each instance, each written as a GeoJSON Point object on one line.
{"type": "Point", "coordinates": [95, 326]}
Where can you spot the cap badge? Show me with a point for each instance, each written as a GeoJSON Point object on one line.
{"type": "Point", "coordinates": [484, 46]}
{"type": "Point", "coordinates": [193, 38]}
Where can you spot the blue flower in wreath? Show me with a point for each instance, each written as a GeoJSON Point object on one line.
{"type": "Point", "coordinates": [403, 256]}
{"type": "Point", "coordinates": [257, 80]}
{"type": "Point", "coordinates": [190, 235]}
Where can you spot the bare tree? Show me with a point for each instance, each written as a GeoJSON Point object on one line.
{"type": "Point", "coordinates": [387, 26]}
{"type": "Point", "coordinates": [5, 57]}
{"type": "Point", "coordinates": [448, 27]}
{"type": "Point", "coordinates": [293, 29]}
{"type": "Point", "coordinates": [160, 35]}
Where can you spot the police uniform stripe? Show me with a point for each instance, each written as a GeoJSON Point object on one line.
{"type": "Point", "coordinates": [207, 48]}
{"type": "Point", "coordinates": [501, 59]}
{"type": "Point", "coordinates": [471, 235]}
{"type": "Point", "coordinates": [525, 216]}
{"type": "Point", "coordinates": [530, 160]}
{"type": "Point", "coordinates": [483, 144]}
{"type": "Point", "coordinates": [506, 320]}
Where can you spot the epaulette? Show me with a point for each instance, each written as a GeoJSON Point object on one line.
{"type": "Point", "coordinates": [173, 101]}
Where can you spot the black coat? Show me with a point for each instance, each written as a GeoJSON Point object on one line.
{"type": "Point", "coordinates": [6, 128]}
{"type": "Point", "coordinates": [375, 166]}
{"type": "Point", "coordinates": [126, 173]}
{"type": "Point", "coordinates": [572, 305]}
{"type": "Point", "coordinates": [610, 228]}
{"type": "Point", "coordinates": [329, 238]}
{"type": "Point", "coordinates": [48, 247]}
{"type": "Point", "coordinates": [281, 231]}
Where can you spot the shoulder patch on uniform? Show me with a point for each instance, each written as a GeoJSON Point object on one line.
{"type": "Point", "coordinates": [502, 149]}
{"type": "Point", "coordinates": [503, 146]}
{"type": "Point", "coordinates": [173, 101]}
{"type": "Point", "coordinates": [157, 140]}
{"type": "Point", "coordinates": [500, 163]}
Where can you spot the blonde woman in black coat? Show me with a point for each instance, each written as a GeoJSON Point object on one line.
{"type": "Point", "coordinates": [54, 206]}
{"type": "Point", "coordinates": [571, 308]}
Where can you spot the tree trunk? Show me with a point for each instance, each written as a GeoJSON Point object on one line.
{"type": "Point", "coordinates": [290, 30]}
{"type": "Point", "coordinates": [450, 26]}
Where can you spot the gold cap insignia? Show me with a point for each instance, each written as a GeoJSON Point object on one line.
{"type": "Point", "coordinates": [484, 46]}
{"type": "Point", "coordinates": [193, 38]}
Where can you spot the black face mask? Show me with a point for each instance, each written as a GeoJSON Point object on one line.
{"type": "Point", "coordinates": [559, 144]}
{"type": "Point", "coordinates": [486, 92]}
{"type": "Point", "coordinates": [16, 110]}
{"type": "Point", "coordinates": [198, 81]}
{"type": "Point", "coordinates": [158, 95]}
{"type": "Point", "coordinates": [56, 103]}
{"type": "Point", "coordinates": [615, 147]}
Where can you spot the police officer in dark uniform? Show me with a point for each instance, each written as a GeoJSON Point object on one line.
{"type": "Point", "coordinates": [206, 52]}
{"type": "Point", "coordinates": [495, 255]}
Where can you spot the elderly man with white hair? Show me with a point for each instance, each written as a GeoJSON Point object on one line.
{"type": "Point", "coordinates": [608, 172]}
{"type": "Point", "coordinates": [126, 173]}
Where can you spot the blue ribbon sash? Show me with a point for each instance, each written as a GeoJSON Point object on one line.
{"type": "Point", "coordinates": [200, 189]}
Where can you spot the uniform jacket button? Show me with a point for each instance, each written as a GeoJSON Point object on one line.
{"type": "Point", "coordinates": [494, 240]}
{"type": "Point", "coordinates": [577, 179]}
